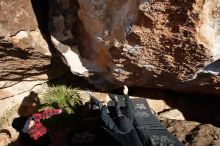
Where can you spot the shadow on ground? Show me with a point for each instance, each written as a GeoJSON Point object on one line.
{"type": "Point", "coordinates": [202, 108]}
{"type": "Point", "coordinates": [28, 106]}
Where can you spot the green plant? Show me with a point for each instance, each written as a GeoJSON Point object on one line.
{"type": "Point", "coordinates": [65, 98]}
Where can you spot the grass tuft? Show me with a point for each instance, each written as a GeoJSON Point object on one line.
{"type": "Point", "coordinates": [65, 98]}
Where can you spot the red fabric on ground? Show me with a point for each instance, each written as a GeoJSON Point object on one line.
{"type": "Point", "coordinates": [38, 129]}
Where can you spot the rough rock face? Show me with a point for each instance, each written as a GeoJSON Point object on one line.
{"type": "Point", "coordinates": [193, 133]}
{"type": "Point", "coordinates": [24, 52]}
{"type": "Point", "coordinates": [16, 16]}
{"type": "Point", "coordinates": [148, 43]}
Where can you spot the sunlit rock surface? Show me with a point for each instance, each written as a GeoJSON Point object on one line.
{"type": "Point", "coordinates": [147, 43]}
{"type": "Point", "coordinates": [25, 54]}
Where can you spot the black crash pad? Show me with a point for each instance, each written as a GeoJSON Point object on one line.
{"type": "Point", "coordinates": [151, 131]}
{"type": "Point", "coordinates": [148, 126]}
